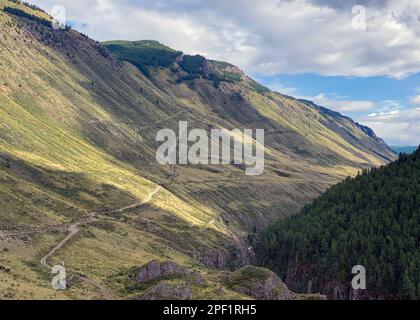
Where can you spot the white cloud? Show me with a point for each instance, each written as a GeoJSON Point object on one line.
{"type": "Point", "coordinates": [390, 120]}
{"type": "Point", "coordinates": [385, 115]}
{"type": "Point", "coordinates": [415, 100]}
{"type": "Point", "coordinates": [266, 37]}
{"type": "Point", "coordinates": [397, 127]}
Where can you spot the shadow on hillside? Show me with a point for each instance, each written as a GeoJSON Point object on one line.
{"type": "Point", "coordinates": [68, 194]}
{"type": "Point", "coordinates": [72, 195]}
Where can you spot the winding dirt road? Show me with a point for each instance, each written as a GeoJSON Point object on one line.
{"type": "Point", "coordinates": [73, 229]}
{"type": "Point", "coordinates": [138, 204]}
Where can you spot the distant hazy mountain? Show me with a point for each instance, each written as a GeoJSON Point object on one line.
{"type": "Point", "coordinates": [78, 124]}
{"type": "Point", "coordinates": [406, 149]}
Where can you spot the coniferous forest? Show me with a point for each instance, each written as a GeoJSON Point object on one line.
{"type": "Point", "coordinates": [371, 220]}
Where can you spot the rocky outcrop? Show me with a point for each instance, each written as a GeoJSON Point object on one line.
{"type": "Point", "coordinates": [263, 284]}
{"type": "Point", "coordinates": [237, 255]}
{"type": "Point", "coordinates": [154, 270]}
{"type": "Point", "coordinates": [168, 291]}
{"type": "Point", "coordinates": [167, 280]}
{"type": "Point", "coordinates": [215, 259]}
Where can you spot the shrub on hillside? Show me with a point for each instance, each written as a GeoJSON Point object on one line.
{"type": "Point", "coordinates": [193, 64]}
{"type": "Point", "coordinates": [24, 14]}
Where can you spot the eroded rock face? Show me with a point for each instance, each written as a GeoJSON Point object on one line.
{"type": "Point", "coordinates": [154, 270]}
{"type": "Point", "coordinates": [174, 282]}
{"type": "Point", "coordinates": [300, 278]}
{"type": "Point", "coordinates": [338, 291]}
{"type": "Point", "coordinates": [169, 291]}
{"type": "Point", "coordinates": [213, 259]}
{"type": "Point", "coordinates": [239, 255]}
{"type": "Point", "coordinates": [271, 289]}
{"type": "Point", "coordinates": [259, 283]}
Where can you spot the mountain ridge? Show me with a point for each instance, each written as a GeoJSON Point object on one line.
{"type": "Point", "coordinates": [220, 70]}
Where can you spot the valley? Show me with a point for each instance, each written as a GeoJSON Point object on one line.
{"type": "Point", "coordinates": [80, 183]}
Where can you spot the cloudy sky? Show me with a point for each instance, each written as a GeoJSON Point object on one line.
{"type": "Point", "coordinates": [359, 57]}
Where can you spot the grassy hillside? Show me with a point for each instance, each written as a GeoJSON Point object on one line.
{"type": "Point", "coordinates": [372, 220]}
{"type": "Point", "coordinates": [77, 135]}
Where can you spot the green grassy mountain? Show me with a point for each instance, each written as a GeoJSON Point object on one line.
{"type": "Point", "coordinates": [371, 220]}
{"type": "Point", "coordinates": [78, 125]}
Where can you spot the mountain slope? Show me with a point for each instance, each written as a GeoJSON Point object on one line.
{"type": "Point", "coordinates": [77, 135]}
{"type": "Point", "coordinates": [372, 220]}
